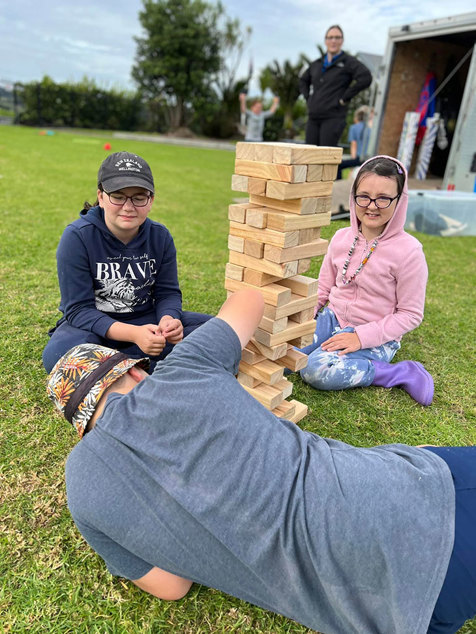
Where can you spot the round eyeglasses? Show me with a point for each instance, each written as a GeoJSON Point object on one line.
{"type": "Point", "coordinates": [382, 202]}
{"type": "Point", "coordinates": [138, 200]}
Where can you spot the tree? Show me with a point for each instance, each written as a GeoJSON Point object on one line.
{"type": "Point", "coordinates": [284, 82]}
{"type": "Point", "coordinates": [180, 54]}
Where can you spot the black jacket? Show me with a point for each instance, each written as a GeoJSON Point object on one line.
{"type": "Point", "coordinates": [343, 79]}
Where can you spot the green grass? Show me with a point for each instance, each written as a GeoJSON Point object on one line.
{"type": "Point", "coordinates": [50, 580]}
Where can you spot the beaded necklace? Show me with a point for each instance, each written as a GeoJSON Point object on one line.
{"type": "Point", "coordinates": [373, 246]}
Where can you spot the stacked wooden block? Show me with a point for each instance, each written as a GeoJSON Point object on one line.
{"type": "Point", "coordinates": [273, 237]}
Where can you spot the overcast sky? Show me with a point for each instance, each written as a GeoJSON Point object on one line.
{"type": "Point", "coordinates": [70, 39]}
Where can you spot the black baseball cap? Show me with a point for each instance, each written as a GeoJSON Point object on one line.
{"type": "Point", "coordinates": [123, 169]}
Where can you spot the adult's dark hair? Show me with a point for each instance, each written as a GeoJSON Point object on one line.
{"type": "Point", "coordinates": [88, 205]}
{"type": "Point", "coordinates": [381, 167]}
{"type": "Point", "coordinates": [335, 26]}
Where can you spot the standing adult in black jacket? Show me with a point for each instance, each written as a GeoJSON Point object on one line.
{"type": "Point", "coordinates": [334, 78]}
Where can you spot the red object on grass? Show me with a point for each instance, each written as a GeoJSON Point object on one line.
{"type": "Point", "coordinates": [107, 146]}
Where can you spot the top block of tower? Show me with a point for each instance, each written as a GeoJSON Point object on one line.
{"type": "Point", "coordinates": [289, 153]}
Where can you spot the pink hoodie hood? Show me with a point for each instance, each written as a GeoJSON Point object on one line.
{"type": "Point", "coordinates": [397, 221]}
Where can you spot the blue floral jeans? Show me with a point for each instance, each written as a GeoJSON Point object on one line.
{"type": "Point", "coordinates": [329, 371]}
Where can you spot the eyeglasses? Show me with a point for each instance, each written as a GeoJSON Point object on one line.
{"type": "Point", "coordinates": [138, 200]}
{"type": "Point", "coordinates": [333, 37]}
{"type": "Point", "coordinates": [382, 202]}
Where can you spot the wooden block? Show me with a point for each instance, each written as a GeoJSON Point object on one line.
{"type": "Point", "coordinates": [247, 380]}
{"type": "Point", "coordinates": [287, 191]}
{"type": "Point", "coordinates": [288, 334]}
{"type": "Point", "coordinates": [251, 355]}
{"type": "Point", "coordinates": [271, 352]}
{"type": "Point", "coordinates": [258, 278]}
{"type": "Point", "coordinates": [266, 371]}
{"type": "Point", "coordinates": [239, 183]}
{"type": "Point", "coordinates": [245, 150]}
{"type": "Point", "coordinates": [274, 325]}
{"type": "Point", "coordinates": [323, 204]}
{"type": "Point", "coordinates": [256, 217]}
{"type": "Point", "coordinates": [237, 211]}
{"type": "Point", "coordinates": [304, 265]}
{"type": "Point", "coordinates": [309, 235]}
{"type": "Point", "coordinates": [291, 307]}
{"type": "Point", "coordinates": [285, 410]}
{"type": "Point", "coordinates": [256, 186]}
{"type": "Point", "coordinates": [272, 171]}
{"type": "Point", "coordinates": [263, 152]}
{"type": "Point", "coordinates": [300, 206]}
{"type": "Point", "coordinates": [285, 269]}
{"type": "Point", "coordinates": [294, 360]}
{"type": "Point", "coordinates": [329, 172]}
{"type": "Point", "coordinates": [279, 255]}
{"type": "Point", "coordinates": [286, 387]}
{"type": "Point", "coordinates": [300, 342]}
{"type": "Point", "coordinates": [300, 411]}
{"type": "Point", "coordinates": [304, 315]}
{"type": "Point", "coordinates": [314, 173]}
{"type": "Point", "coordinates": [234, 272]}
{"type": "Point", "coordinates": [254, 249]}
{"type": "Point", "coordinates": [297, 153]}
{"type": "Point", "coordinates": [285, 221]}
{"type": "Point", "coordinates": [301, 285]}
{"type": "Point", "coordinates": [235, 243]}
{"type": "Point", "coordinates": [273, 294]}
{"type": "Point", "coordinates": [268, 395]}
{"type": "Point", "coordinates": [269, 236]}
{"type": "Point", "coordinates": [247, 184]}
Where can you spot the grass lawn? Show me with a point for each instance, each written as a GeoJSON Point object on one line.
{"type": "Point", "coordinates": [51, 581]}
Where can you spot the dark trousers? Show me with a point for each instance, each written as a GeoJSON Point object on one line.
{"type": "Point", "coordinates": [65, 337]}
{"type": "Point", "coordinates": [324, 131]}
{"type": "Point", "coordinates": [353, 162]}
{"type": "Point", "coordinates": [457, 601]}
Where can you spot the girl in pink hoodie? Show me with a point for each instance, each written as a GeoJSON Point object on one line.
{"type": "Point", "coordinates": [371, 291]}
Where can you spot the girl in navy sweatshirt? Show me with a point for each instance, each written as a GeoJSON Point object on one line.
{"type": "Point", "coordinates": [117, 271]}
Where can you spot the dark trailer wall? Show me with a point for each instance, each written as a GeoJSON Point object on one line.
{"type": "Point", "coordinates": [413, 51]}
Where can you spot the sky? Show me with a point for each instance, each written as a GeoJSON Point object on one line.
{"type": "Point", "coordinates": [70, 39]}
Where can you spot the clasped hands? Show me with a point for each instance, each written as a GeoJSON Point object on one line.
{"type": "Point", "coordinates": [151, 338]}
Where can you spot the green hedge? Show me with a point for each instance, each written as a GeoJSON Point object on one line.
{"type": "Point", "coordinates": [82, 105]}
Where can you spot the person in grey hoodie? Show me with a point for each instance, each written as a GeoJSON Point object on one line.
{"type": "Point", "coordinates": [117, 271]}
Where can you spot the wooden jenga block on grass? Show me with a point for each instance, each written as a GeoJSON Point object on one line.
{"type": "Point", "coordinates": [272, 171]}
{"type": "Point", "coordinates": [235, 243]}
{"type": "Point", "coordinates": [293, 331]}
{"type": "Point", "coordinates": [301, 285]}
{"type": "Point", "coordinates": [298, 154]}
{"type": "Point", "coordinates": [281, 255]}
{"type": "Point", "coordinates": [273, 294]}
{"type": "Point", "coordinates": [266, 371]}
{"type": "Point", "coordinates": [269, 236]}
{"type": "Point", "coordinates": [285, 269]}
{"type": "Point", "coordinates": [258, 278]}
{"type": "Point", "coordinates": [247, 184]}
{"type": "Point", "coordinates": [234, 272]}
{"type": "Point", "coordinates": [293, 360]}
{"type": "Point", "coordinates": [290, 191]}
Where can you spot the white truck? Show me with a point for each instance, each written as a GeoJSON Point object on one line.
{"type": "Point", "coordinates": [444, 47]}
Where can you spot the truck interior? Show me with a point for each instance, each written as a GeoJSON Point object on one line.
{"type": "Point", "coordinates": [448, 57]}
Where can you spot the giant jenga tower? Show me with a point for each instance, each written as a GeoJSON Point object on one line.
{"type": "Point", "coordinates": [273, 237]}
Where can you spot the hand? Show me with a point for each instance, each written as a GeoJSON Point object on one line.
{"type": "Point", "coordinates": [276, 100]}
{"type": "Point", "coordinates": [242, 96]}
{"type": "Point", "coordinates": [343, 341]}
{"type": "Point", "coordinates": [171, 329]}
{"type": "Point", "coordinates": [149, 339]}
